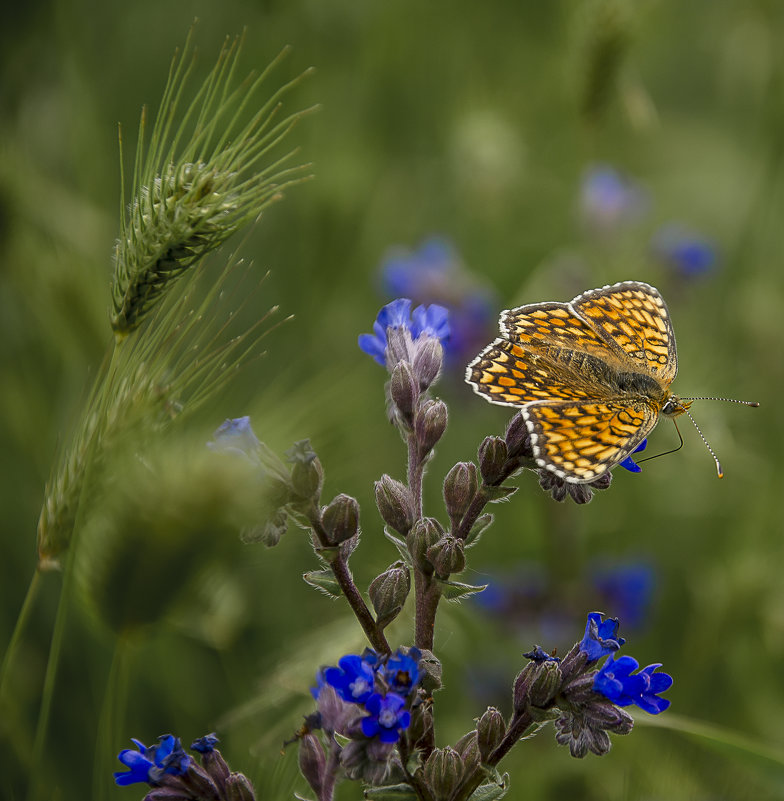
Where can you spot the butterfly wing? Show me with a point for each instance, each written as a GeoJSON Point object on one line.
{"type": "Point", "coordinates": [579, 441]}
{"type": "Point", "coordinates": [633, 318]}
{"type": "Point", "coordinates": [530, 362]}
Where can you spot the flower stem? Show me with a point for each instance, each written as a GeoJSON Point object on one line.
{"type": "Point", "coordinates": [342, 574]}
{"type": "Point", "coordinates": [358, 606]}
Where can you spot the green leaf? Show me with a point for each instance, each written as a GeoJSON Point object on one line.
{"type": "Point", "coordinates": [480, 526]}
{"type": "Point", "coordinates": [324, 581]}
{"type": "Point", "coordinates": [490, 792]}
{"type": "Point", "coordinates": [456, 591]}
{"type": "Point", "coordinates": [392, 792]}
{"type": "Point", "coordinates": [495, 494]}
{"type": "Point", "coordinates": [400, 545]}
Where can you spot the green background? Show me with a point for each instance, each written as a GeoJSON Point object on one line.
{"type": "Point", "coordinates": [475, 121]}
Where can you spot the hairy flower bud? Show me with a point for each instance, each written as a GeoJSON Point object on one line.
{"type": "Point", "coordinates": [460, 487]}
{"type": "Point", "coordinates": [404, 390]}
{"type": "Point", "coordinates": [425, 533]}
{"type": "Point", "coordinates": [447, 555]}
{"type": "Point", "coordinates": [428, 358]}
{"type": "Point", "coordinates": [492, 460]}
{"type": "Point", "coordinates": [312, 761]}
{"type": "Point", "coordinates": [430, 424]}
{"type": "Point", "coordinates": [388, 592]}
{"type": "Point", "coordinates": [443, 771]}
{"type": "Point", "coordinates": [468, 749]}
{"type": "Point", "coordinates": [340, 519]}
{"type": "Point", "coordinates": [518, 440]}
{"type": "Point", "coordinates": [490, 730]}
{"type": "Point", "coordinates": [307, 474]}
{"type": "Point", "coordinates": [239, 788]}
{"type": "Point", "coordinates": [395, 504]}
{"type": "Point", "coordinates": [536, 685]}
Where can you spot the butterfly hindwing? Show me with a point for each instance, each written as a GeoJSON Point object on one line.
{"type": "Point", "coordinates": [581, 441]}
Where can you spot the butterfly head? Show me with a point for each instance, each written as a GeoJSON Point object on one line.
{"type": "Point", "coordinates": [675, 406]}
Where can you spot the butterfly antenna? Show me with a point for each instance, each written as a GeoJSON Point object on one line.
{"type": "Point", "coordinates": [702, 436]}
{"type": "Point", "coordinates": [726, 400]}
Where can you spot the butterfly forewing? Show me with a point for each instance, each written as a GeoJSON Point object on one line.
{"type": "Point", "coordinates": [581, 441]}
{"type": "Point", "coordinates": [633, 317]}
{"type": "Point", "coordinates": [508, 374]}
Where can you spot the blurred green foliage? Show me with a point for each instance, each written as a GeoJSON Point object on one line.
{"type": "Point", "coordinates": [476, 121]}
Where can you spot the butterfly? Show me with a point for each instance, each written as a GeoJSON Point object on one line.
{"type": "Point", "coordinates": [591, 377]}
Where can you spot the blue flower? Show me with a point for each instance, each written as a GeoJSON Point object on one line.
{"type": "Point", "coordinates": [353, 680]}
{"type": "Point", "coordinates": [627, 590]}
{"type": "Point", "coordinates": [433, 273]}
{"type": "Point", "coordinates": [236, 436]}
{"type": "Point", "coordinates": [601, 637]}
{"type": "Point", "coordinates": [688, 253]}
{"type": "Point", "coordinates": [388, 717]}
{"type": "Point", "coordinates": [206, 744]}
{"type": "Point", "coordinates": [402, 672]}
{"type": "Point", "coordinates": [149, 764]}
{"type": "Point", "coordinates": [426, 322]}
{"type": "Point", "coordinates": [610, 200]}
{"type": "Point", "coordinates": [616, 682]}
{"type": "Point", "coordinates": [629, 463]}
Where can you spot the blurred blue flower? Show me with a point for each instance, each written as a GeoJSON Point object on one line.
{"type": "Point", "coordinates": [434, 274]}
{"type": "Point", "coordinates": [616, 682]}
{"type": "Point", "coordinates": [206, 744]}
{"type": "Point", "coordinates": [236, 436]}
{"type": "Point", "coordinates": [610, 200]}
{"type": "Point", "coordinates": [353, 679]}
{"type": "Point", "coordinates": [149, 764]}
{"type": "Point", "coordinates": [601, 637]}
{"type": "Point", "coordinates": [401, 671]}
{"type": "Point", "coordinates": [626, 590]}
{"type": "Point", "coordinates": [629, 463]}
{"type": "Point", "coordinates": [686, 252]}
{"type": "Point", "coordinates": [425, 321]}
{"type": "Point", "coordinates": [388, 717]}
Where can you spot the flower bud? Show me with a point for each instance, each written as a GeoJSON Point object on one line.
{"type": "Point", "coordinates": [421, 727]}
{"type": "Point", "coordinates": [447, 555]}
{"type": "Point", "coordinates": [340, 519]}
{"type": "Point", "coordinates": [492, 460]}
{"type": "Point", "coordinates": [395, 504]}
{"type": "Point", "coordinates": [430, 425]}
{"type": "Point", "coordinates": [468, 749]}
{"type": "Point", "coordinates": [460, 486]}
{"type": "Point", "coordinates": [537, 685]}
{"type": "Point", "coordinates": [518, 440]}
{"type": "Point", "coordinates": [428, 358]}
{"type": "Point", "coordinates": [443, 772]}
{"type": "Point", "coordinates": [307, 475]}
{"type": "Point", "coordinates": [312, 761]}
{"type": "Point", "coordinates": [388, 592]}
{"type": "Point", "coordinates": [490, 730]}
{"type": "Point", "coordinates": [426, 532]}
{"type": "Point", "coordinates": [404, 389]}
{"type": "Point", "coordinates": [238, 788]}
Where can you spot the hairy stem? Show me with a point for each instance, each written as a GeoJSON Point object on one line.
{"type": "Point", "coordinates": [342, 573]}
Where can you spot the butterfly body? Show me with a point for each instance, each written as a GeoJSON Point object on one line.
{"type": "Point", "coordinates": [591, 377]}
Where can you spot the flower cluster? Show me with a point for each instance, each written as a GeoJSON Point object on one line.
{"type": "Point", "coordinates": [174, 775]}
{"type": "Point", "coordinates": [368, 698]}
{"type": "Point", "coordinates": [589, 699]}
